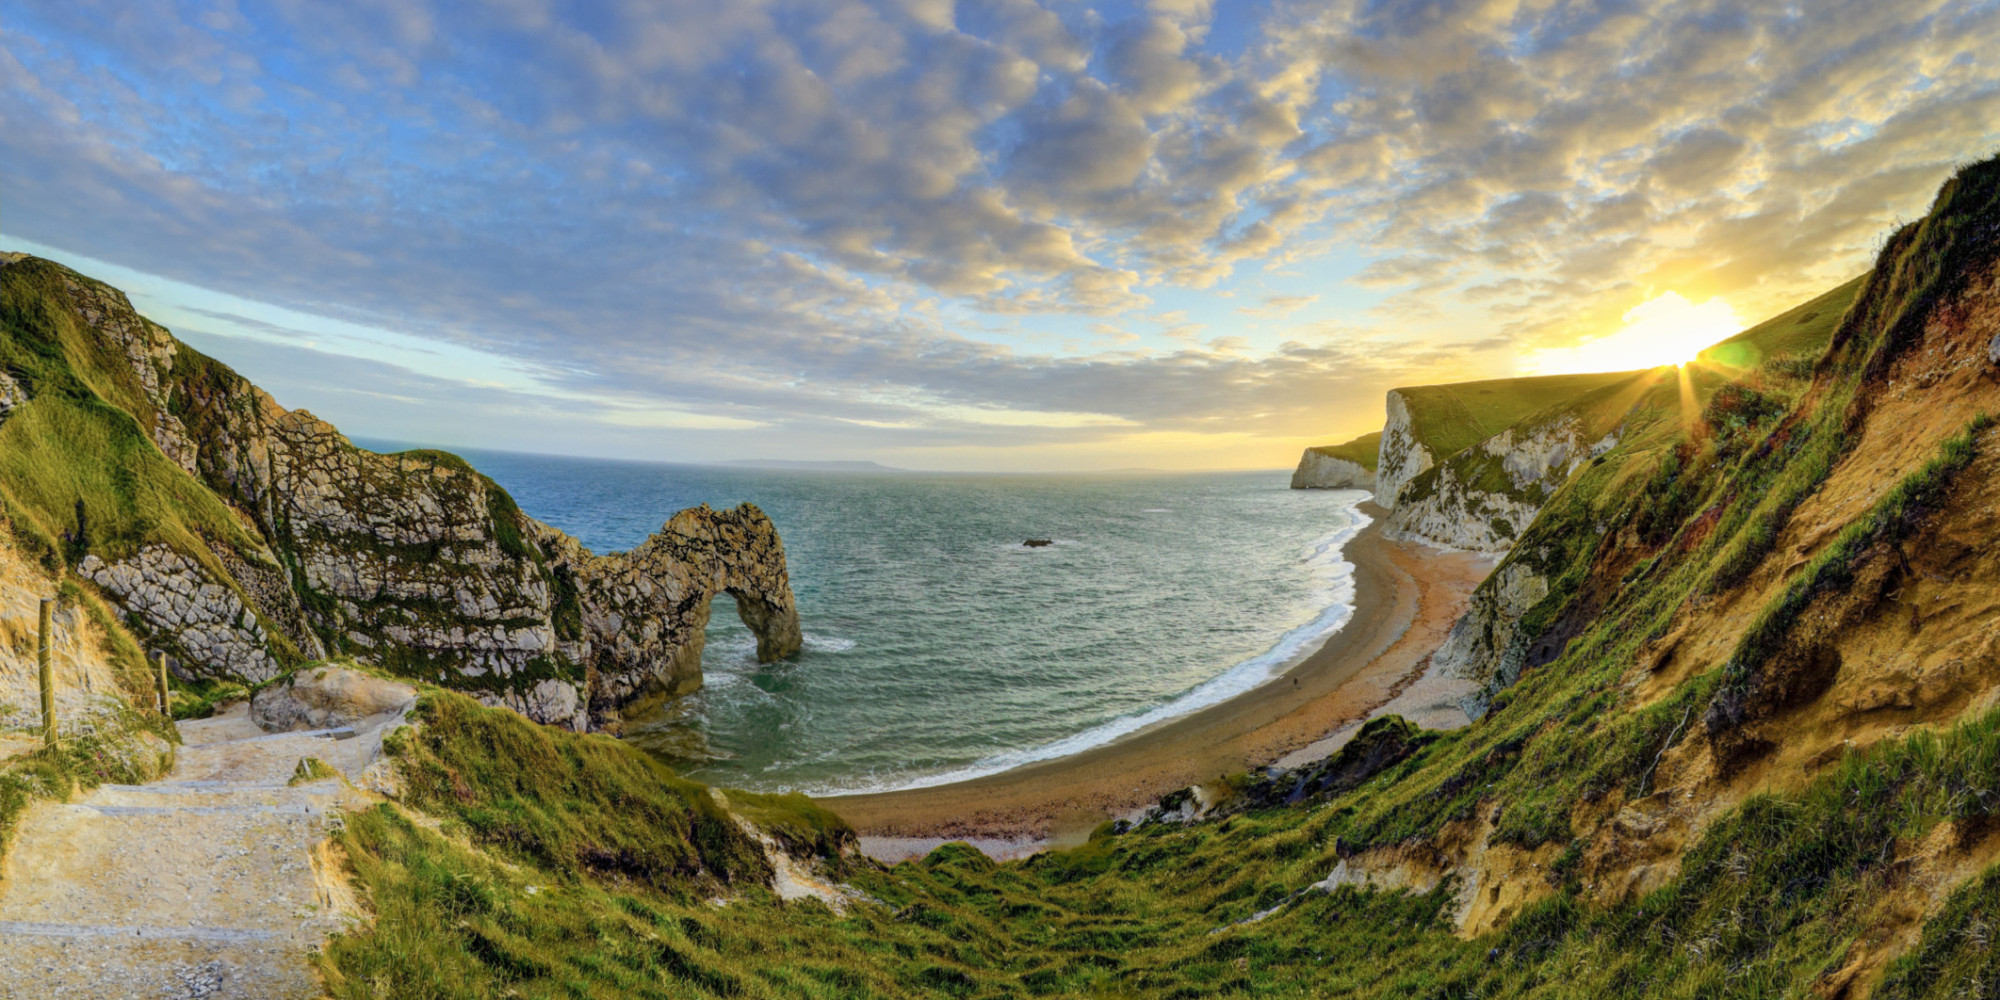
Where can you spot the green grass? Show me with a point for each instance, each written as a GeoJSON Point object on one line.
{"type": "Point", "coordinates": [1451, 418]}
{"type": "Point", "coordinates": [311, 769]}
{"type": "Point", "coordinates": [55, 451]}
{"type": "Point", "coordinates": [1955, 957]}
{"type": "Point", "coordinates": [1770, 900]}
{"type": "Point", "coordinates": [1801, 331]}
{"type": "Point", "coordinates": [566, 803]}
{"type": "Point", "coordinates": [1363, 451]}
{"type": "Point", "coordinates": [1892, 520]}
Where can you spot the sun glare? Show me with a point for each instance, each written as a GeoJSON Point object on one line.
{"type": "Point", "coordinates": [1667, 329]}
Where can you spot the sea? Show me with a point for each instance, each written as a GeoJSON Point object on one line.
{"type": "Point", "coordinates": [939, 647]}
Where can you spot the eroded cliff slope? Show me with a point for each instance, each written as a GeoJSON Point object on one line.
{"type": "Point", "coordinates": [245, 538]}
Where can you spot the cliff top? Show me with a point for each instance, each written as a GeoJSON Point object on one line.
{"type": "Point", "coordinates": [1799, 332]}
{"type": "Point", "coordinates": [1451, 418]}
{"type": "Point", "coordinates": [1363, 451]}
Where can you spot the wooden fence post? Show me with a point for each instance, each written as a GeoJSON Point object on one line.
{"type": "Point", "coordinates": [166, 695]}
{"type": "Point", "coordinates": [44, 657]}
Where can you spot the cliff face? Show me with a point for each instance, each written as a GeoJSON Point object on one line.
{"type": "Point", "coordinates": [414, 561]}
{"type": "Point", "coordinates": [1404, 456]}
{"type": "Point", "coordinates": [1481, 498]}
{"type": "Point", "coordinates": [1348, 466]}
{"type": "Point", "coordinates": [1320, 471]}
{"type": "Point", "coordinates": [1743, 660]}
{"type": "Point", "coordinates": [1526, 613]}
{"type": "Point", "coordinates": [1429, 425]}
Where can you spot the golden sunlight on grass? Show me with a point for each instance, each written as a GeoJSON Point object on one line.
{"type": "Point", "coordinates": [1667, 329]}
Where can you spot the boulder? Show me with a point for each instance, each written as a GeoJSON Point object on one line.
{"type": "Point", "coordinates": [324, 697]}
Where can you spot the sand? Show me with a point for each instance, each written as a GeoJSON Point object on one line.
{"type": "Point", "coordinates": [1406, 598]}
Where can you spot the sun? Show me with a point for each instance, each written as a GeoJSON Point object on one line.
{"type": "Point", "coordinates": [1667, 329]}
{"type": "Point", "coordinates": [1670, 330]}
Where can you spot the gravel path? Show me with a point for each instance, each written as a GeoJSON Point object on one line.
{"type": "Point", "coordinates": [213, 882]}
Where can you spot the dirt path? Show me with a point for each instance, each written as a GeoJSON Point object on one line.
{"type": "Point", "coordinates": [213, 882]}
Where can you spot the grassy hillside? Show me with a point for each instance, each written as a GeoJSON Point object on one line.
{"type": "Point", "coordinates": [1608, 829]}
{"type": "Point", "coordinates": [1362, 451]}
{"type": "Point", "coordinates": [1452, 418]}
{"type": "Point", "coordinates": [81, 437]}
{"type": "Point", "coordinates": [1801, 332]}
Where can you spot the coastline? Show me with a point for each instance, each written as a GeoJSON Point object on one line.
{"type": "Point", "coordinates": [1406, 597]}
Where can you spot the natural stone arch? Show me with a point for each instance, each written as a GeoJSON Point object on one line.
{"type": "Point", "coordinates": [646, 611]}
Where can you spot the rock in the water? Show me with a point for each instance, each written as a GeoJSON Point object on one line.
{"type": "Point", "coordinates": [326, 697]}
{"type": "Point", "coordinates": [1036, 543]}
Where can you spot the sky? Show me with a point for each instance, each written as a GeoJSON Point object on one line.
{"type": "Point", "coordinates": [992, 234]}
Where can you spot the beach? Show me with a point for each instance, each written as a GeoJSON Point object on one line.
{"type": "Point", "coordinates": [1406, 598]}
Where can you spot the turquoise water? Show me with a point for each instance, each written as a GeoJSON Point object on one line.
{"type": "Point", "coordinates": [937, 646]}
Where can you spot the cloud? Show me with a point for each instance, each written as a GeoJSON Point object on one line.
{"type": "Point", "coordinates": [764, 218]}
{"type": "Point", "coordinates": [1278, 306]}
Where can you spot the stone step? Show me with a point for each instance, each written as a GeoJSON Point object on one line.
{"type": "Point", "coordinates": [134, 800]}
{"type": "Point", "coordinates": [174, 963]}
{"type": "Point", "coordinates": [203, 787]}
{"type": "Point", "coordinates": [177, 809]}
{"type": "Point", "coordinates": [229, 935]}
{"type": "Point", "coordinates": [221, 866]}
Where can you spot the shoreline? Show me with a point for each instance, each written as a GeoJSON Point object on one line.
{"type": "Point", "coordinates": [1406, 597]}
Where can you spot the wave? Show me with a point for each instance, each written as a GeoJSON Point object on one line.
{"type": "Point", "coordinates": [739, 648]}
{"type": "Point", "coordinates": [1324, 556]}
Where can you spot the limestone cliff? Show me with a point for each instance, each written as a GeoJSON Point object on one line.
{"type": "Point", "coordinates": [1405, 454]}
{"type": "Point", "coordinates": [1481, 498]}
{"type": "Point", "coordinates": [1349, 466]}
{"type": "Point", "coordinates": [1427, 425]}
{"type": "Point", "coordinates": [291, 544]}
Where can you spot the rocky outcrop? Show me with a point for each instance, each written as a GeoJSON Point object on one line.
{"type": "Point", "coordinates": [11, 395]}
{"type": "Point", "coordinates": [175, 600]}
{"type": "Point", "coordinates": [325, 697]}
{"type": "Point", "coordinates": [1403, 456]}
{"type": "Point", "coordinates": [643, 614]}
{"type": "Point", "coordinates": [1486, 645]}
{"type": "Point", "coordinates": [1480, 499]}
{"type": "Point", "coordinates": [414, 561]}
{"type": "Point", "coordinates": [1320, 471]}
